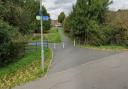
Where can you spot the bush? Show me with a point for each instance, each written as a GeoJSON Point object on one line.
{"type": "Point", "coordinates": [11, 44]}
{"type": "Point", "coordinates": [5, 45]}
{"type": "Point", "coordinates": [17, 50]}
{"type": "Point", "coordinates": [94, 34]}
{"type": "Point", "coordinates": [66, 25]}
{"type": "Point", "coordinates": [121, 37]}
{"type": "Point", "coordinates": [115, 36]}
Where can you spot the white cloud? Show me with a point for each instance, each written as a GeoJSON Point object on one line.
{"type": "Point", "coordinates": [54, 7]}
{"type": "Point", "coordinates": [119, 4]}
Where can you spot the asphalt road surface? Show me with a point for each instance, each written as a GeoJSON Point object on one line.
{"type": "Point", "coordinates": [78, 68]}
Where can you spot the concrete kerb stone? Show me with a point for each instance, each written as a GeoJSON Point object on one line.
{"type": "Point", "coordinates": [49, 64]}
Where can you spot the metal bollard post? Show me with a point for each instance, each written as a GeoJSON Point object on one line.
{"type": "Point", "coordinates": [74, 43]}
{"type": "Point", "coordinates": [54, 45]}
{"type": "Point", "coordinates": [63, 44]}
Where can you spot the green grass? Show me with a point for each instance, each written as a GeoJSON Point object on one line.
{"type": "Point", "coordinates": [112, 47]}
{"type": "Point", "coordinates": [36, 38]}
{"type": "Point", "coordinates": [105, 47]}
{"type": "Point", "coordinates": [53, 36]}
{"type": "Point", "coordinates": [26, 69]}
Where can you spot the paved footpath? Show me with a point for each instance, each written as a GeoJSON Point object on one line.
{"type": "Point", "coordinates": [77, 68]}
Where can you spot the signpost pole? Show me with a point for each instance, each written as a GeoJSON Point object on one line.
{"type": "Point", "coordinates": [42, 47]}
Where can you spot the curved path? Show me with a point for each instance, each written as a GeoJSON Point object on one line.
{"type": "Point", "coordinates": [77, 68]}
{"type": "Point", "coordinates": [70, 56]}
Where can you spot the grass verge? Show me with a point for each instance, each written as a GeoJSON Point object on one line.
{"type": "Point", "coordinates": [105, 47]}
{"type": "Point", "coordinates": [53, 36]}
{"type": "Point", "coordinates": [26, 69]}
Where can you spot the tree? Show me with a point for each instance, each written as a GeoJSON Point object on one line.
{"type": "Point", "coordinates": [17, 19]}
{"type": "Point", "coordinates": [20, 14]}
{"type": "Point", "coordinates": [46, 24]}
{"type": "Point", "coordinates": [86, 20]}
{"type": "Point", "coordinates": [10, 43]}
{"type": "Point", "coordinates": [66, 25]}
{"type": "Point", "coordinates": [61, 17]}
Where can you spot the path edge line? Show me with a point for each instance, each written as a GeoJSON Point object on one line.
{"type": "Point", "coordinates": [49, 63]}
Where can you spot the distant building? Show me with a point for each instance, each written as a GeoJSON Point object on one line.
{"type": "Point", "coordinates": [55, 23]}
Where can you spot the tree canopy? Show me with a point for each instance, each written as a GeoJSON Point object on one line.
{"type": "Point", "coordinates": [46, 24]}
{"type": "Point", "coordinates": [87, 22]}
{"type": "Point", "coordinates": [86, 18]}
{"type": "Point", "coordinates": [22, 14]}
{"type": "Point", "coordinates": [61, 17]}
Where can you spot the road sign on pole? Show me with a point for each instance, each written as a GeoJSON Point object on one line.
{"type": "Point", "coordinates": [44, 18]}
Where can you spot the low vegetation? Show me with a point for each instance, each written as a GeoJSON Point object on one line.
{"type": "Point", "coordinates": [11, 45]}
{"type": "Point", "coordinates": [105, 47]}
{"type": "Point", "coordinates": [26, 69]}
{"type": "Point", "coordinates": [53, 36]}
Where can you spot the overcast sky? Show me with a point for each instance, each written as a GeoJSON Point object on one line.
{"type": "Point", "coordinates": [54, 7]}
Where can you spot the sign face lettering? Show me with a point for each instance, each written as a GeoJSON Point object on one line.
{"type": "Point", "coordinates": [45, 18]}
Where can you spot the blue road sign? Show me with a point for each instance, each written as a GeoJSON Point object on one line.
{"type": "Point", "coordinates": [45, 18]}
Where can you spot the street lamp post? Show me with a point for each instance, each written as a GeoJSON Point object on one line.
{"type": "Point", "coordinates": [42, 47]}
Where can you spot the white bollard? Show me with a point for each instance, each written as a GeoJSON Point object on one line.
{"type": "Point", "coordinates": [54, 45]}
{"type": "Point", "coordinates": [63, 44]}
{"type": "Point", "coordinates": [74, 43]}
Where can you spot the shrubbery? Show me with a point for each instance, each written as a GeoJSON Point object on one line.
{"type": "Point", "coordinates": [120, 37]}
{"type": "Point", "coordinates": [11, 44]}
{"type": "Point", "coordinates": [86, 20]}
{"type": "Point", "coordinates": [87, 23]}
{"type": "Point", "coordinates": [20, 14]}
{"type": "Point", "coordinates": [5, 45]}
